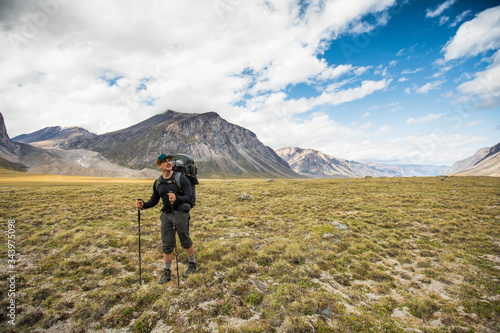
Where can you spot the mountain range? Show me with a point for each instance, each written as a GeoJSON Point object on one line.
{"type": "Point", "coordinates": [220, 149]}
{"type": "Point", "coordinates": [20, 156]}
{"type": "Point", "coordinates": [313, 163]}
{"type": "Point", "coordinates": [217, 146]}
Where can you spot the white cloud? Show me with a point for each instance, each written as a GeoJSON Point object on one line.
{"type": "Point", "coordinates": [426, 119]}
{"type": "Point", "coordinates": [429, 86]}
{"type": "Point", "coordinates": [474, 123]}
{"type": "Point", "coordinates": [385, 129]}
{"type": "Point", "coordinates": [438, 147]}
{"type": "Point", "coordinates": [411, 71]}
{"type": "Point", "coordinates": [192, 57]}
{"type": "Point", "coordinates": [332, 73]}
{"type": "Point", "coordinates": [476, 36]}
{"type": "Point", "coordinates": [460, 18]}
{"type": "Point", "coordinates": [439, 9]}
{"type": "Point", "coordinates": [443, 19]}
{"type": "Point", "coordinates": [485, 85]}
{"type": "Point", "coordinates": [394, 107]}
{"type": "Point", "coordinates": [106, 65]}
{"type": "Point", "coordinates": [366, 88]}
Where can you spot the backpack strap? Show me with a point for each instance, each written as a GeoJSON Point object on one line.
{"type": "Point", "coordinates": [157, 182]}
{"type": "Point", "coordinates": [177, 181]}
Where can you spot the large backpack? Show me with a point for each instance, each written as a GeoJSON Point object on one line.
{"type": "Point", "coordinates": [183, 164]}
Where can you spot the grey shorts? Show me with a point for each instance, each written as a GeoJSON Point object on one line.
{"type": "Point", "coordinates": [167, 231]}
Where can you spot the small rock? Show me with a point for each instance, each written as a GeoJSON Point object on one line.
{"type": "Point", "coordinates": [245, 196]}
{"type": "Point", "coordinates": [327, 313]}
{"type": "Point", "coordinates": [270, 180]}
{"type": "Point", "coordinates": [339, 225]}
{"type": "Point", "coordinates": [181, 321]}
{"type": "Point", "coordinates": [260, 285]}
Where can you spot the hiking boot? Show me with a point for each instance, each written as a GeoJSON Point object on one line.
{"type": "Point", "coordinates": [191, 269]}
{"type": "Point", "coordinates": [166, 276]}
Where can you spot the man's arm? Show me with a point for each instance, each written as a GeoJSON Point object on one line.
{"type": "Point", "coordinates": [153, 201]}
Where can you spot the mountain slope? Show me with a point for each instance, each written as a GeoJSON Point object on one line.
{"type": "Point", "coordinates": [468, 162]}
{"type": "Point", "coordinates": [50, 136]}
{"type": "Point", "coordinates": [489, 165]}
{"type": "Point", "coordinates": [220, 149]}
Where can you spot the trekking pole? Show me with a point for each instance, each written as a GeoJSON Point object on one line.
{"type": "Point", "coordinates": [175, 242]}
{"type": "Point", "coordinates": [139, 232]}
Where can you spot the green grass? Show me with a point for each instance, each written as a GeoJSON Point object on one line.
{"type": "Point", "coordinates": [418, 253]}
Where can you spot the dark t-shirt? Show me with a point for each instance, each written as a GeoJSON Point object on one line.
{"type": "Point", "coordinates": [167, 185]}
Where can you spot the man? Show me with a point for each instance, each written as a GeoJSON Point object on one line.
{"type": "Point", "coordinates": [170, 193]}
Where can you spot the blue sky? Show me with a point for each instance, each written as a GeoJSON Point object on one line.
{"type": "Point", "coordinates": [401, 82]}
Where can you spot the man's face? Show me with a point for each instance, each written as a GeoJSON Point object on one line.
{"type": "Point", "coordinates": [165, 165]}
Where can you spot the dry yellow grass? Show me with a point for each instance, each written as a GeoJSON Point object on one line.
{"type": "Point", "coordinates": [15, 178]}
{"type": "Point", "coordinates": [336, 255]}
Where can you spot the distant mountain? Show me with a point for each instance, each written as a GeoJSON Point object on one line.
{"type": "Point", "coordinates": [220, 149]}
{"type": "Point", "coordinates": [425, 170]}
{"type": "Point", "coordinates": [314, 163]}
{"type": "Point", "coordinates": [25, 157]}
{"type": "Point", "coordinates": [468, 162]}
{"type": "Point", "coordinates": [51, 136]}
{"type": "Point", "coordinates": [489, 165]}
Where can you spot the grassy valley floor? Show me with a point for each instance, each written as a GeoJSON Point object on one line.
{"type": "Point", "coordinates": [324, 255]}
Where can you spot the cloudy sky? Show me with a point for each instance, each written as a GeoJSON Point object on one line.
{"type": "Point", "coordinates": [367, 80]}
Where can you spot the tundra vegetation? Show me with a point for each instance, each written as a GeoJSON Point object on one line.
{"type": "Point", "coordinates": [323, 255]}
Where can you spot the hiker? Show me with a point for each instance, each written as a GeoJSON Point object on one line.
{"type": "Point", "coordinates": [169, 191]}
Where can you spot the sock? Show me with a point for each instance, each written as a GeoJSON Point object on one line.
{"type": "Point", "coordinates": [168, 265]}
{"type": "Point", "coordinates": [192, 258]}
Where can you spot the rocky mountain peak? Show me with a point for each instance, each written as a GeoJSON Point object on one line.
{"type": "Point", "coordinates": [5, 142]}
{"type": "Point", "coordinates": [218, 147]}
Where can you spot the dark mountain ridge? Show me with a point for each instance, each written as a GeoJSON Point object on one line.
{"type": "Point", "coordinates": [48, 135]}
{"type": "Point", "coordinates": [220, 149]}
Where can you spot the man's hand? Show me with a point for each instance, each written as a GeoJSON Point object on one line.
{"type": "Point", "coordinates": [139, 204]}
{"type": "Point", "coordinates": [171, 197]}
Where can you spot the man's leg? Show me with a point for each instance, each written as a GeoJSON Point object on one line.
{"type": "Point", "coordinates": [192, 262]}
{"type": "Point", "coordinates": [186, 242]}
{"type": "Point", "coordinates": [168, 258]}
{"type": "Point", "coordinates": [190, 251]}
{"type": "Point", "coordinates": [168, 240]}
